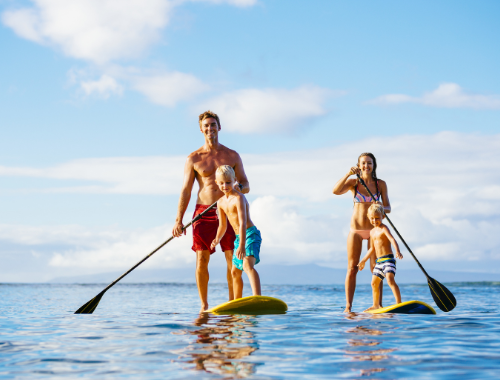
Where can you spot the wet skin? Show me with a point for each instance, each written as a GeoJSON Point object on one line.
{"type": "Point", "coordinates": [359, 219]}
{"type": "Point", "coordinates": [201, 166]}
{"type": "Point", "coordinates": [235, 206]}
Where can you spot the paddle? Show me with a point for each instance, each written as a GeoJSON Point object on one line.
{"type": "Point", "coordinates": [444, 299]}
{"type": "Point", "coordinates": [90, 306]}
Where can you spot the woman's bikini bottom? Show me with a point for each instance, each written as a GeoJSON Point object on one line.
{"type": "Point", "coordinates": [365, 234]}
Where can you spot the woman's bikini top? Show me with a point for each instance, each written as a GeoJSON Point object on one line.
{"type": "Point", "coordinates": [360, 198]}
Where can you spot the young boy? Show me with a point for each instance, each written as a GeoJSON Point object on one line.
{"type": "Point", "coordinates": [380, 242]}
{"type": "Point", "coordinates": [234, 205]}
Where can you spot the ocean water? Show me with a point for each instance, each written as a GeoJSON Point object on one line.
{"type": "Point", "coordinates": [153, 331]}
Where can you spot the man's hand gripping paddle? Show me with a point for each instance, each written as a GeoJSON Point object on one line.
{"type": "Point", "coordinates": [444, 299]}
{"type": "Point", "coordinates": [90, 306]}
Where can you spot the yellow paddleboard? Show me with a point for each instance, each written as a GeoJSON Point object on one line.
{"type": "Point", "coordinates": [409, 307]}
{"type": "Point", "coordinates": [251, 305]}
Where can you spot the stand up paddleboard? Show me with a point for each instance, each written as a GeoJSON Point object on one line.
{"type": "Point", "coordinates": [251, 305]}
{"type": "Point", "coordinates": [409, 307]}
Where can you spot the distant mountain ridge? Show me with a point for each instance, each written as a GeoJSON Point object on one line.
{"type": "Point", "coordinates": [309, 274]}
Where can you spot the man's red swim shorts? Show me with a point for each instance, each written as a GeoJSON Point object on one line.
{"type": "Point", "coordinates": [205, 230]}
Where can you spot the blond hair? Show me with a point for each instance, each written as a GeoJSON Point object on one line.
{"type": "Point", "coordinates": [376, 208]}
{"type": "Point", "coordinates": [209, 114]}
{"type": "Point", "coordinates": [225, 171]}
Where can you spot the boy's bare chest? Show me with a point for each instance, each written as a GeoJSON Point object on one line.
{"type": "Point", "coordinates": [230, 209]}
{"type": "Point", "coordinates": [380, 240]}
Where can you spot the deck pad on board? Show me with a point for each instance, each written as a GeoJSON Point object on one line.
{"type": "Point", "coordinates": [408, 307]}
{"type": "Point", "coordinates": [251, 305]}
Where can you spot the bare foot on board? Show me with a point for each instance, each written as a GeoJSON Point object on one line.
{"type": "Point", "coordinates": [372, 308]}
{"type": "Point", "coordinates": [204, 308]}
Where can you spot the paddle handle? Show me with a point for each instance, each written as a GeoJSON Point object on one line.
{"type": "Point", "coordinates": [392, 225]}
{"type": "Point", "coordinates": [199, 216]}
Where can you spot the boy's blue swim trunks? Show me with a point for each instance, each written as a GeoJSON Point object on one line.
{"type": "Point", "coordinates": [252, 246]}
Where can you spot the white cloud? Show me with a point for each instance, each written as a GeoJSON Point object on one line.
{"type": "Point", "coordinates": [126, 249]}
{"type": "Point", "coordinates": [237, 3]}
{"type": "Point", "coordinates": [442, 187]}
{"type": "Point", "coordinates": [119, 175]}
{"type": "Point", "coordinates": [447, 95]}
{"type": "Point", "coordinates": [104, 87]}
{"type": "Point", "coordinates": [269, 110]}
{"type": "Point", "coordinates": [99, 31]}
{"type": "Point", "coordinates": [169, 88]}
{"type": "Point", "coordinates": [292, 237]}
{"type": "Point", "coordinates": [94, 30]}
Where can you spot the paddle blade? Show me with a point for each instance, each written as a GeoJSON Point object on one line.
{"type": "Point", "coordinates": [444, 299]}
{"type": "Point", "coordinates": [90, 306]}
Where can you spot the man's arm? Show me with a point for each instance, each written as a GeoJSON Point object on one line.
{"type": "Point", "coordinates": [221, 230]}
{"type": "Point", "coordinates": [187, 186]}
{"type": "Point", "coordinates": [241, 177]}
{"type": "Point", "coordinates": [393, 241]}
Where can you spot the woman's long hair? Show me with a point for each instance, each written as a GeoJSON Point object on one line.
{"type": "Point", "coordinates": [374, 172]}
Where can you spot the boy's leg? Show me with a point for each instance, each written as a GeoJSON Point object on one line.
{"type": "Point", "coordinates": [237, 282]}
{"type": "Point", "coordinates": [376, 281]}
{"type": "Point", "coordinates": [202, 276]}
{"type": "Point", "coordinates": [229, 262]}
{"type": "Point", "coordinates": [253, 276]}
{"type": "Point", "coordinates": [394, 286]}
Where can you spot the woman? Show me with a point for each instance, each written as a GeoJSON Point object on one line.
{"type": "Point", "coordinates": [360, 225]}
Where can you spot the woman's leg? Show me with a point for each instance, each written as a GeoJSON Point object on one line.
{"type": "Point", "coordinates": [354, 246]}
{"type": "Point", "coordinates": [373, 262]}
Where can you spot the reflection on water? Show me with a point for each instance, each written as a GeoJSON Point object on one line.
{"type": "Point", "coordinates": [314, 340]}
{"type": "Point", "coordinates": [221, 342]}
{"type": "Point", "coordinates": [362, 346]}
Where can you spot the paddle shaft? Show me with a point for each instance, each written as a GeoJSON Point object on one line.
{"type": "Point", "coordinates": [156, 250]}
{"type": "Point", "coordinates": [395, 229]}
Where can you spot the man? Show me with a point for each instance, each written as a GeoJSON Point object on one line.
{"type": "Point", "coordinates": [201, 165]}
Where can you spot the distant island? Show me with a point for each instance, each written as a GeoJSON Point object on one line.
{"type": "Point", "coordinates": [308, 274]}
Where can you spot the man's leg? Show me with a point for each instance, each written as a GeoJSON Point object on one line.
{"type": "Point", "coordinates": [229, 262]}
{"type": "Point", "coordinates": [253, 276]}
{"type": "Point", "coordinates": [237, 282]}
{"type": "Point", "coordinates": [202, 276]}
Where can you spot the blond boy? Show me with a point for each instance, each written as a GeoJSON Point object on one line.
{"type": "Point", "coordinates": [380, 246]}
{"type": "Point", "coordinates": [234, 205]}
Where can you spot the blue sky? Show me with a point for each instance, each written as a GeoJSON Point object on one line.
{"type": "Point", "coordinates": [99, 103]}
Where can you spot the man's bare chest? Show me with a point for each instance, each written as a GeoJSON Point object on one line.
{"type": "Point", "coordinates": [207, 166]}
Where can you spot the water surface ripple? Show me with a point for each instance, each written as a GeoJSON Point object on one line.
{"type": "Point", "coordinates": [152, 331]}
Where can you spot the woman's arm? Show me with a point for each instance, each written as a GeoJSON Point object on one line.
{"type": "Point", "coordinates": [385, 197]}
{"type": "Point", "coordinates": [345, 184]}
